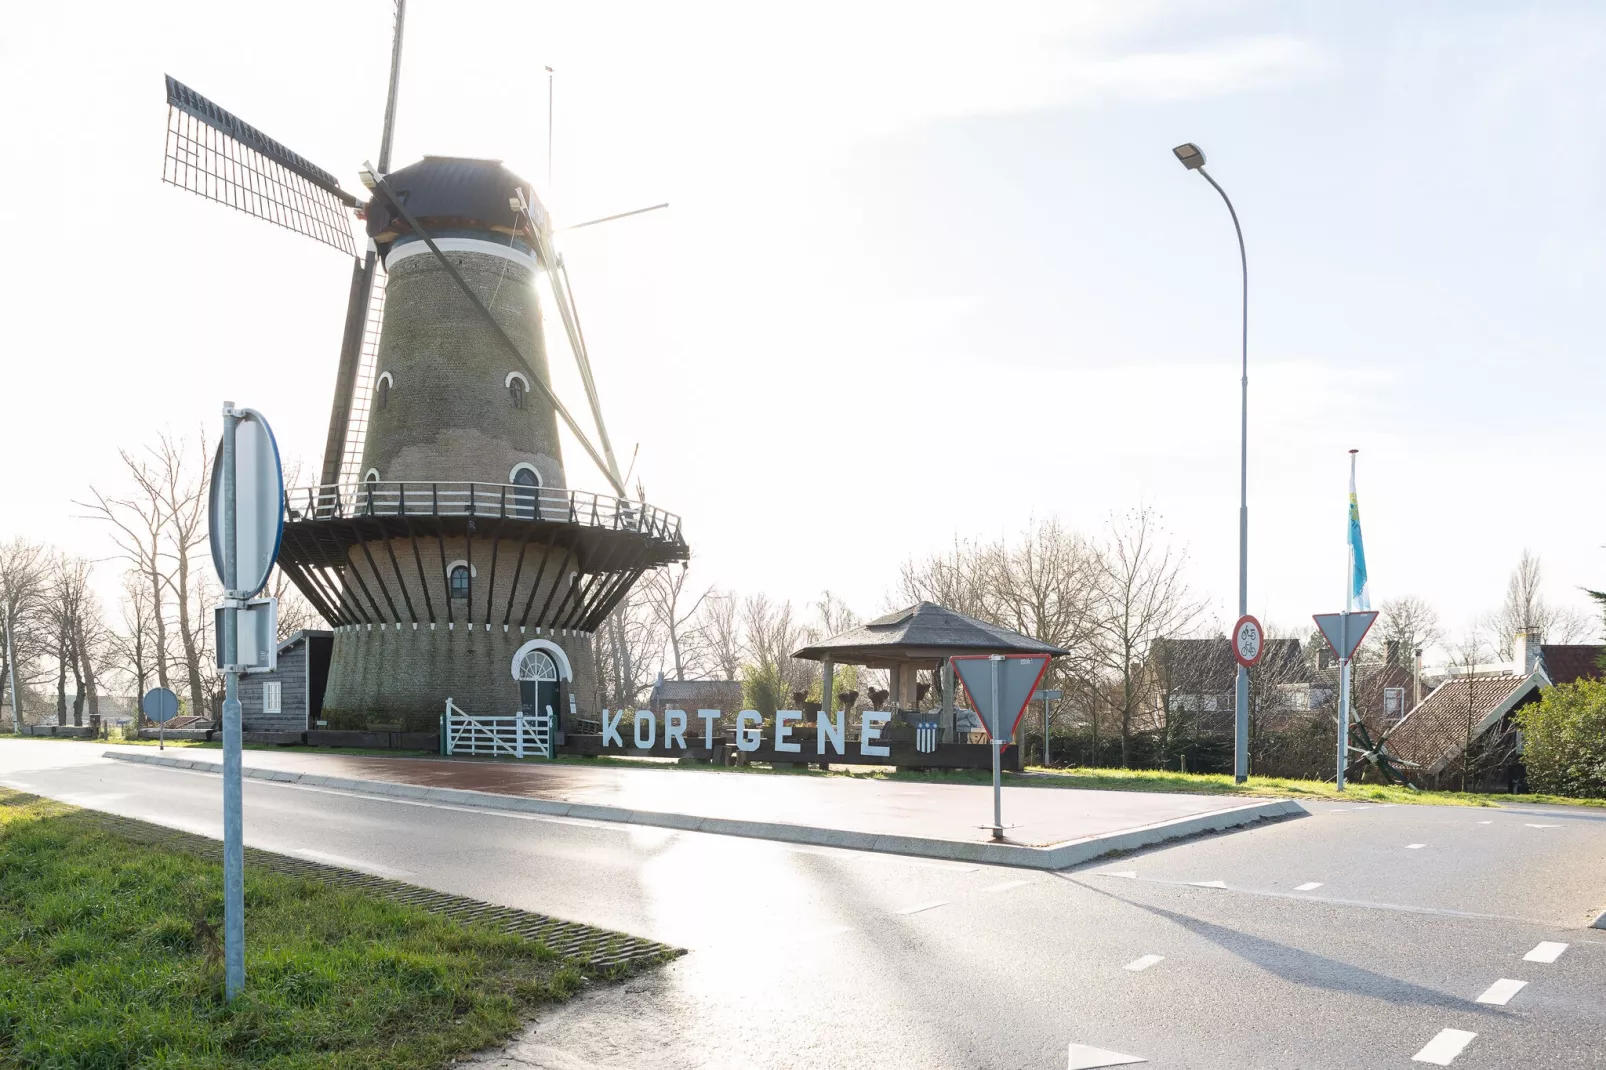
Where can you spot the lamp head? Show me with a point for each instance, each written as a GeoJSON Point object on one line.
{"type": "Point", "coordinates": [1191, 155]}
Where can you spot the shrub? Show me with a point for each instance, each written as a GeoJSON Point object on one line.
{"type": "Point", "coordinates": [1564, 740]}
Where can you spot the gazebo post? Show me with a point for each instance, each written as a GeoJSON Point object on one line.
{"type": "Point", "coordinates": [947, 725]}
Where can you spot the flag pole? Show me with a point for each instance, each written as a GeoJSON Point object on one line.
{"type": "Point", "coordinates": [1344, 662]}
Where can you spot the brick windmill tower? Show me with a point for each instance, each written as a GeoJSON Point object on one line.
{"type": "Point", "coordinates": [444, 542]}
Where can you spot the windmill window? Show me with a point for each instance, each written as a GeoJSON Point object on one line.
{"type": "Point", "coordinates": [460, 581]}
{"type": "Point", "coordinates": [382, 394]}
{"type": "Point", "coordinates": [372, 476]}
{"type": "Point", "coordinates": [518, 387]}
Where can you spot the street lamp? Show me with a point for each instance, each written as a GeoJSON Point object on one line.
{"type": "Point", "coordinates": [1192, 157]}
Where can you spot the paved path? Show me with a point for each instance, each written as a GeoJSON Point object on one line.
{"type": "Point", "coordinates": [1328, 943]}
{"type": "Point", "coordinates": [1053, 828]}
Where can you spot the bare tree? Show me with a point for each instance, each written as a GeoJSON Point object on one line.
{"type": "Point", "coordinates": [135, 644]}
{"type": "Point", "coordinates": [718, 633]}
{"type": "Point", "coordinates": [665, 597]}
{"type": "Point", "coordinates": [24, 581]}
{"type": "Point", "coordinates": [139, 523]}
{"type": "Point", "coordinates": [1526, 609]}
{"type": "Point", "coordinates": [628, 650]}
{"type": "Point", "coordinates": [1411, 622]}
{"type": "Point", "coordinates": [1143, 597]}
{"type": "Point", "coordinates": [958, 579]}
{"type": "Point", "coordinates": [182, 490]}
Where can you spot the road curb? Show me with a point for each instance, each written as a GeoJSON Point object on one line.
{"type": "Point", "coordinates": [1054, 856]}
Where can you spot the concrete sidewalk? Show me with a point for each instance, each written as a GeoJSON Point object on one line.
{"type": "Point", "coordinates": [1053, 827]}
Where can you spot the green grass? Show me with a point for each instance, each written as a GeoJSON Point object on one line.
{"type": "Point", "coordinates": [1221, 784]}
{"type": "Point", "coordinates": [110, 957]}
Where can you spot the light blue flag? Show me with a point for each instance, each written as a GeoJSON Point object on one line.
{"type": "Point", "coordinates": [1360, 596]}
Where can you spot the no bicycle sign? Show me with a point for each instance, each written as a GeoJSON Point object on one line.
{"type": "Point", "coordinates": [1248, 640]}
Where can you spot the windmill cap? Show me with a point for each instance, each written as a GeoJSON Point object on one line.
{"type": "Point", "coordinates": [450, 193]}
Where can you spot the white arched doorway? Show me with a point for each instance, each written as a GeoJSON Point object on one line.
{"type": "Point", "coordinates": [541, 667]}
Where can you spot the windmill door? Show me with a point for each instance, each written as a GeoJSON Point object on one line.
{"type": "Point", "coordinates": [538, 685]}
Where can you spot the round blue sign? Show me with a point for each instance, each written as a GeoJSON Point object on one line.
{"type": "Point", "coordinates": [159, 704]}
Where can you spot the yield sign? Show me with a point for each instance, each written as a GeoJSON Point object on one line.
{"type": "Point", "coordinates": [1017, 678]}
{"type": "Point", "coordinates": [1342, 637]}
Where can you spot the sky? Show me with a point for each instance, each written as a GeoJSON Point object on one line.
{"type": "Point", "coordinates": [928, 271]}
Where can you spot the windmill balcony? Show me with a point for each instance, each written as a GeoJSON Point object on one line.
{"type": "Point", "coordinates": [492, 501]}
{"type": "Point", "coordinates": [486, 555]}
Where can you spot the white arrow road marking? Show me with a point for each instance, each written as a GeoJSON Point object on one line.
{"type": "Point", "coordinates": [1086, 1058]}
{"type": "Point", "coordinates": [923, 906]}
{"type": "Point", "coordinates": [1309, 886]}
{"type": "Point", "coordinates": [1500, 993]}
{"type": "Point", "coordinates": [1415, 846]}
{"type": "Point", "coordinates": [1144, 963]}
{"type": "Point", "coordinates": [1442, 1049]}
{"type": "Point", "coordinates": [1545, 951]}
{"type": "Point", "coordinates": [1544, 826]}
{"type": "Point", "coordinates": [1208, 884]}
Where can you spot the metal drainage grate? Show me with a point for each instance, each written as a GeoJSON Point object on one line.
{"type": "Point", "coordinates": [600, 950]}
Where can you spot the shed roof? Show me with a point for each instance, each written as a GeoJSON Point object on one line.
{"type": "Point", "coordinates": [922, 632]}
{"type": "Point", "coordinates": [1435, 732]}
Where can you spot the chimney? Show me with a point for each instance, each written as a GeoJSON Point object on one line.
{"type": "Point", "coordinates": [1391, 656]}
{"type": "Point", "coordinates": [1525, 650]}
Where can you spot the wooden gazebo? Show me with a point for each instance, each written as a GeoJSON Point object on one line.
{"type": "Point", "coordinates": [922, 636]}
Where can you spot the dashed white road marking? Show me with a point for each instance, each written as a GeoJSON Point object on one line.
{"type": "Point", "coordinates": [1144, 963]}
{"type": "Point", "coordinates": [1545, 951]}
{"type": "Point", "coordinates": [1129, 874]}
{"type": "Point", "coordinates": [1084, 1057]}
{"type": "Point", "coordinates": [1309, 886]}
{"type": "Point", "coordinates": [1532, 826]}
{"type": "Point", "coordinates": [923, 906]}
{"type": "Point", "coordinates": [1485, 822]}
{"type": "Point", "coordinates": [1415, 846]}
{"type": "Point", "coordinates": [1442, 1049]}
{"type": "Point", "coordinates": [1006, 886]}
{"type": "Point", "coordinates": [1208, 884]}
{"type": "Point", "coordinates": [1500, 993]}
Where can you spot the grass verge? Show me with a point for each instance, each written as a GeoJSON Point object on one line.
{"type": "Point", "coordinates": [110, 956]}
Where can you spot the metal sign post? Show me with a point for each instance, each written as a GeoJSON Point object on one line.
{"type": "Point", "coordinates": [11, 665]}
{"type": "Point", "coordinates": [1000, 697]}
{"type": "Point", "coordinates": [1344, 632]}
{"type": "Point", "coordinates": [160, 705]}
{"type": "Point", "coordinates": [1046, 697]}
{"type": "Point", "coordinates": [247, 522]}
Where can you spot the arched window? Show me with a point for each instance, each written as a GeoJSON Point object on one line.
{"type": "Point", "coordinates": [382, 393]}
{"type": "Point", "coordinates": [537, 665]}
{"type": "Point", "coordinates": [517, 387]}
{"type": "Point", "coordinates": [460, 581]}
{"type": "Point", "coordinates": [524, 501]}
{"type": "Point", "coordinates": [372, 476]}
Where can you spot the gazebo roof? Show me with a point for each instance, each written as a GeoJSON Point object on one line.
{"type": "Point", "coordinates": [922, 632]}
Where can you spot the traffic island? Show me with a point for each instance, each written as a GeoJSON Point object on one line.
{"type": "Point", "coordinates": [113, 938]}
{"type": "Point", "coordinates": [1046, 829]}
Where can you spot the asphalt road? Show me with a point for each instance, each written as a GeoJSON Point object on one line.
{"type": "Point", "coordinates": [1331, 941]}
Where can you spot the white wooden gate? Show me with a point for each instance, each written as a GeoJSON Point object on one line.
{"type": "Point", "coordinates": [513, 736]}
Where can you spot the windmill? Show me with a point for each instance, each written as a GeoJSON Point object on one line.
{"type": "Point", "coordinates": [442, 541]}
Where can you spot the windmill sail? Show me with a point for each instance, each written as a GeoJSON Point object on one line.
{"type": "Point", "coordinates": [362, 384]}
{"type": "Point", "coordinates": [216, 154]}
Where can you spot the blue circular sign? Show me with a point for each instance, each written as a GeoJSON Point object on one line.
{"type": "Point", "coordinates": [159, 704]}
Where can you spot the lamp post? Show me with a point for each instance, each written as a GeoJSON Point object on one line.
{"type": "Point", "coordinates": [1192, 157]}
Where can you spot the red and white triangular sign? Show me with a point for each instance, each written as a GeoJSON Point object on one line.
{"type": "Point", "coordinates": [1018, 677]}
